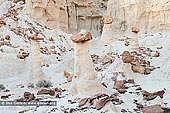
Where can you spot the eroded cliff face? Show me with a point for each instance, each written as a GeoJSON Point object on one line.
{"type": "Point", "coordinates": [148, 15]}
{"type": "Point", "coordinates": [74, 15]}
{"type": "Point", "coordinates": [68, 15]}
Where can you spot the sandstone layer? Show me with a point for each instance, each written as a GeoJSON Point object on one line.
{"type": "Point", "coordinates": [74, 15]}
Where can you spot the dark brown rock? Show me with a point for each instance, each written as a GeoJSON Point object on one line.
{"type": "Point", "coordinates": [123, 110]}
{"type": "Point", "coordinates": [166, 109]}
{"type": "Point", "coordinates": [126, 57]}
{"type": "Point", "coordinates": [119, 84]}
{"type": "Point", "coordinates": [21, 112]}
{"type": "Point", "coordinates": [2, 23]}
{"type": "Point", "coordinates": [122, 91]}
{"type": "Point", "coordinates": [138, 69]}
{"type": "Point", "coordinates": [131, 81]}
{"type": "Point", "coordinates": [147, 71]}
{"type": "Point", "coordinates": [59, 90]}
{"type": "Point", "coordinates": [81, 37]}
{"type": "Point", "coordinates": [159, 93]}
{"type": "Point", "coordinates": [138, 88]}
{"type": "Point", "coordinates": [153, 109]}
{"type": "Point", "coordinates": [16, 1]}
{"type": "Point", "coordinates": [150, 96]}
{"type": "Point", "coordinates": [82, 102]}
{"type": "Point", "coordinates": [66, 74]}
{"type": "Point", "coordinates": [29, 96]}
{"type": "Point", "coordinates": [35, 38]}
{"type": "Point", "coordinates": [5, 96]}
{"type": "Point", "coordinates": [45, 91]}
{"type": "Point", "coordinates": [22, 55]}
{"type": "Point", "coordinates": [7, 37]}
{"type": "Point", "coordinates": [135, 30]}
{"type": "Point", "coordinates": [95, 58]}
{"type": "Point", "coordinates": [102, 103]}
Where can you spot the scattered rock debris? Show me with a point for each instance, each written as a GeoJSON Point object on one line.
{"type": "Point", "coordinates": [100, 100]}
{"type": "Point", "coordinates": [150, 96]}
{"type": "Point", "coordinates": [153, 109]}
{"type": "Point", "coordinates": [46, 91]}
{"type": "Point", "coordinates": [68, 76]}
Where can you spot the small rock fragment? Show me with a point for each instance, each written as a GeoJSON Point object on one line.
{"type": "Point", "coordinates": [7, 37]}
{"type": "Point", "coordinates": [126, 57]}
{"type": "Point", "coordinates": [153, 109]}
{"type": "Point", "coordinates": [95, 58]}
{"type": "Point", "coordinates": [119, 84]}
{"type": "Point", "coordinates": [102, 103]}
{"type": "Point", "coordinates": [68, 76]}
{"type": "Point", "coordinates": [69, 79]}
{"type": "Point", "coordinates": [22, 55]}
{"type": "Point", "coordinates": [6, 96]}
{"type": "Point", "coordinates": [45, 91]}
{"type": "Point", "coordinates": [138, 69]}
{"type": "Point", "coordinates": [2, 23]}
{"type": "Point", "coordinates": [82, 102]}
{"type": "Point", "coordinates": [150, 96]}
{"type": "Point", "coordinates": [107, 59]}
{"type": "Point", "coordinates": [139, 106]}
{"type": "Point", "coordinates": [52, 47]}
{"type": "Point", "coordinates": [138, 88]}
{"type": "Point", "coordinates": [131, 81]}
{"type": "Point", "coordinates": [122, 91]}
{"type": "Point", "coordinates": [29, 96]}
{"type": "Point", "coordinates": [21, 112]}
{"type": "Point", "coordinates": [123, 110]}
{"type": "Point", "coordinates": [16, 1]}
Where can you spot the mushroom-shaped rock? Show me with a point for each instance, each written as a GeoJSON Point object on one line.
{"type": "Point", "coordinates": [134, 41]}
{"type": "Point", "coordinates": [107, 19]}
{"type": "Point", "coordinates": [85, 80]}
{"type": "Point", "coordinates": [37, 74]}
{"type": "Point", "coordinates": [107, 34]}
{"type": "Point", "coordinates": [127, 59]}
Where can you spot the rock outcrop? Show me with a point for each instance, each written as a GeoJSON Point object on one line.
{"type": "Point", "coordinates": [68, 15]}
{"type": "Point", "coordinates": [107, 33]}
{"type": "Point", "coordinates": [37, 75]}
{"type": "Point", "coordinates": [134, 41]}
{"type": "Point", "coordinates": [148, 15]}
{"type": "Point", "coordinates": [85, 80]}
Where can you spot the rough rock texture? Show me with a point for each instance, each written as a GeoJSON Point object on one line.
{"type": "Point", "coordinates": [36, 71]}
{"type": "Point", "coordinates": [148, 15]}
{"type": "Point", "coordinates": [81, 37]}
{"type": "Point", "coordinates": [85, 78]}
{"type": "Point", "coordinates": [134, 41]}
{"type": "Point", "coordinates": [107, 33]}
{"type": "Point", "coordinates": [68, 15]}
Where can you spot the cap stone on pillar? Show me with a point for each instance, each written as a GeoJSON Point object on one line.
{"type": "Point", "coordinates": [107, 19]}
{"type": "Point", "coordinates": [80, 38]}
{"type": "Point", "coordinates": [135, 30]}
